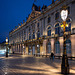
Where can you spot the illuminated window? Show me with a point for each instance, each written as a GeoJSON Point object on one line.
{"type": "Point", "coordinates": [57, 29]}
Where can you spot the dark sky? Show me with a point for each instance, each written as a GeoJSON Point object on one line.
{"type": "Point", "coordinates": [13, 12]}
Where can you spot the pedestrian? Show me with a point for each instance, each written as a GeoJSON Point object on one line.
{"type": "Point", "coordinates": [52, 56]}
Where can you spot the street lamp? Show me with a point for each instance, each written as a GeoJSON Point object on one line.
{"type": "Point", "coordinates": [64, 65]}
{"type": "Point", "coordinates": [6, 47]}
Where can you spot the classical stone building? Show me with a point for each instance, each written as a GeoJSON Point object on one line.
{"type": "Point", "coordinates": [42, 32]}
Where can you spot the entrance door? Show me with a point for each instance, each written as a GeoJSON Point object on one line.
{"type": "Point", "coordinates": [33, 49]}
{"type": "Point", "coordinates": [57, 47]}
{"type": "Point", "coordinates": [49, 47]}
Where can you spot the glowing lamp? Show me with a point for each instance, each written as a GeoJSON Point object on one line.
{"type": "Point", "coordinates": [63, 25]}
{"type": "Point", "coordinates": [64, 14]}
{"type": "Point", "coordinates": [67, 25]}
{"type": "Point", "coordinates": [6, 39]}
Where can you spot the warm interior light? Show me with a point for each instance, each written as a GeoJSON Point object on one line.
{"type": "Point", "coordinates": [64, 14]}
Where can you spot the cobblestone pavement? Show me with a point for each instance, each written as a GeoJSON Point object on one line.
{"type": "Point", "coordinates": [29, 65]}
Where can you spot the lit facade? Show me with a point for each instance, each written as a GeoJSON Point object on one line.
{"type": "Point", "coordinates": [42, 34]}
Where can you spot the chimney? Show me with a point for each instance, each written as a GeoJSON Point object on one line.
{"type": "Point", "coordinates": [39, 8]}
{"type": "Point", "coordinates": [52, 1]}
{"type": "Point", "coordinates": [23, 21]}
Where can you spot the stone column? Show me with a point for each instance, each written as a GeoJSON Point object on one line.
{"type": "Point", "coordinates": [21, 49]}
{"type": "Point", "coordinates": [73, 45]}
{"type": "Point", "coordinates": [52, 45]}
{"type": "Point", "coordinates": [44, 47]}
{"type": "Point", "coordinates": [35, 48]}
{"type": "Point", "coordinates": [31, 50]}
{"type": "Point", "coordinates": [41, 49]}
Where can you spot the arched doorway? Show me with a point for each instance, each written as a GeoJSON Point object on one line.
{"type": "Point", "coordinates": [57, 47]}
{"type": "Point", "coordinates": [33, 49]}
{"type": "Point", "coordinates": [48, 47]}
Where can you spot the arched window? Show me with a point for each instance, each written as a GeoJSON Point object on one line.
{"type": "Point", "coordinates": [57, 47]}
{"type": "Point", "coordinates": [49, 47]}
{"type": "Point", "coordinates": [57, 29]}
{"type": "Point", "coordinates": [68, 46]}
{"type": "Point", "coordinates": [49, 31]}
{"type": "Point", "coordinates": [29, 36]}
{"type": "Point", "coordinates": [68, 21]}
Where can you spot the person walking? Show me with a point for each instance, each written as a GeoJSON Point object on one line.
{"type": "Point", "coordinates": [52, 56]}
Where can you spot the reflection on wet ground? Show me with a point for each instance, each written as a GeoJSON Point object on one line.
{"type": "Point", "coordinates": [29, 65]}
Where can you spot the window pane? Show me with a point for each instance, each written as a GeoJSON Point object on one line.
{"type": "Point", "coordinates": [57, 15]}
{"type": "Point", "coordinates": [48, 19]}
{"type": "Point", "coordinates": [49, 32]}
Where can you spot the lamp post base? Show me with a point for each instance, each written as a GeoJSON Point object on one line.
{"type": "Point", "coordinates": [65, 65]}
{"type": "Point", "coordinates": [6, 54]}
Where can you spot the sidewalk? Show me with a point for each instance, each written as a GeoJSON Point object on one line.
{"type": "Point", "coordinates": [29, 65]}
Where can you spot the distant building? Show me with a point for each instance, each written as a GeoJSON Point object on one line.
{"type": "Point", "coordinates": [42, 34]}
{"type": "Point", "coordinates": [2, 48]}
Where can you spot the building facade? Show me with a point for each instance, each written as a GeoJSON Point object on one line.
{"type": "Point", "coordinates": [42, 32]}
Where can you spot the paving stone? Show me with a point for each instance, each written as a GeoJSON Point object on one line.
{"type": "Point", "coordinates": [30, 65]}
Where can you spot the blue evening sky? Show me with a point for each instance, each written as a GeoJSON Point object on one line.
{"type": "Point", "coordinates": [13, 12]}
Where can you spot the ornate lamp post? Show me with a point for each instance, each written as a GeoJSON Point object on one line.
{"type": "Point", "coordinates": [64, 65]}
{"type": "Point", "coordinates": [6, 47]}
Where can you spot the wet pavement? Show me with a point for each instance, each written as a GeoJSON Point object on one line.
{"type": "Point", "coordinates": [30, 65]}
